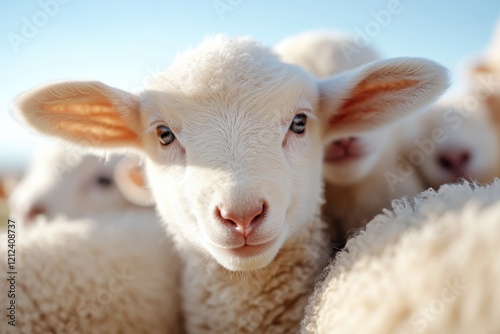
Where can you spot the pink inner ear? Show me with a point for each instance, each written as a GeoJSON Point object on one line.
{"type": "Point", "coordinates": [82, 109]}
{"type": "Point", "coordinates": [136, 176]}
{"type": "Point", "coordinates": [482, 68]}
{"type": "Point", "coordinates": [363, 99]}
{"type": "Point", "coordinates": [99, 119]}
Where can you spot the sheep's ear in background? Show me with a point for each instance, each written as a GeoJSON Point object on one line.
{"type": "Point", "coordinates": [493, 105]}
{"type": "Point", "coordinates": [89, 114]}
{"type": "Point", "coordinates": [378, 94]}
{"type": "Point", "coordinates": [486, 80]}
{"type": "Point", "coordinates": [130, 180]}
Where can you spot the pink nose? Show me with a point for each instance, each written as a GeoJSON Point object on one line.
{"type": "Point", "coordinates": [344, 142]}
{"type": "Point", "coordinates": [454, 161]}
{"type": "Point", "coordinates": [243, 221]}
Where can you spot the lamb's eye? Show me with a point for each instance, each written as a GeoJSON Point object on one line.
{"type": "Point", "coordinates": [299, 123]}
{"type": "Point", "coordinates": [165, 135]}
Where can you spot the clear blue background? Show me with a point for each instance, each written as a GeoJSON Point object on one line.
{"type": "Point", "coordinates": [122, 43]}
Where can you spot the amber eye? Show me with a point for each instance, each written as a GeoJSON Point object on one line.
{"type": "Point", "coordinates": [165, 135]}
{"type": "Point", "coordinates": [299, 123]}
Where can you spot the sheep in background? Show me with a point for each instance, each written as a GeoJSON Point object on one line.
{"type": "Point", "coordinates": [360, 170]}
{"type": "Point", "coordinates": [429, 265]}
{"type": "Point", "coordinates": [113, 272]}
{"type": "Point", "coordinates": [324, 53]}
{"type": "Point", "coordinates": [459, 137]}
{"type": "Point", "coordinates": [61, 181]}
{"type": "Point", "coordinates": [455, 139]}
{"type": "Point", "coordinates": [485, 76]}
{"type": "Point", "coordinates": [234, 160]}
{"type": "Point", "coordinates": [489, 62]}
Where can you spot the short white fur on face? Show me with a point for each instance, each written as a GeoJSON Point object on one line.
{"type": "Point", "coordinates": [62, 182]}
{"type": "Point", "coordinates": [229, 174]}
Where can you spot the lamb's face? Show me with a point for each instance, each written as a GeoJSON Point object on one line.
{"type": "Point", "coordinates": [62, 182]}
{"type": "Point", "coordinates": [467, 145]}
{"type": "Point", "coordinates": [237, 175]}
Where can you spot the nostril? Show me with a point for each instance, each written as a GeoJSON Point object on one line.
{"type": "Point", "coordinates": [259, 217]}
{"type": "Point", "coordinates": [445, 162]}
{"type": "Point", "coordinates": [223, 216]}
{"type": "Point", "coordinates": [455, 161]}
{"type": "Point", "coordinates": [464, 158]}
{"type": "Point", "coordinates": [35, 211]}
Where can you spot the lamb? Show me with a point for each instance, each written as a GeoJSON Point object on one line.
{"type": "Point", "coordinates": [61, 181]}
{"type": "Point", "coordinates": [455, 140]}
{"type": "Point", "coordinates": [484, 76]}
{"type": "Point", "coordinates": [356, 166]}
{"type": "Point", "coordinates": [427, 266]}
{"type": "Point", "coordinates": [232, 140]}
{"type": "Point", "coordinates": [102, 274]}
{"type": "Point", "coordinates": [459, 137]}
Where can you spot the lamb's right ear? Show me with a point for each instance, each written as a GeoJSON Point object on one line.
{"type": "Point", "coordinates": [378, 94]}
{"type": "Point", "coordinates": [129, 178]}
{"type": "Point", "coordinates": [89, 114]}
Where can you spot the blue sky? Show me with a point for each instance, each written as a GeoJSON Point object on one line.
{"type": "Point", "coordinates": [122, 43]}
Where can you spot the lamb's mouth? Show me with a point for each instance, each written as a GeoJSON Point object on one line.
{"type": "Point", "coordinates": [335, 154]}
{"type": "Point", "coordinates": [343, 159]}
{"type": "Point", "coordinates": [252, 250]}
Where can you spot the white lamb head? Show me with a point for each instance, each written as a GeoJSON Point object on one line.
{"type": "Point", "coordinates": [62, 181]}
{"type": "Point", "coordinates": [469, 146]}
{"type": "Point", "coordinates": [233, 137]}
{"type": "Point", "coordinates": [458, 139]}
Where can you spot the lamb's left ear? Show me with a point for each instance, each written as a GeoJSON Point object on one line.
{"type": "Point", "coordinates": [379, 93]}
{"type": "Point", "coordinates": [89, 114]}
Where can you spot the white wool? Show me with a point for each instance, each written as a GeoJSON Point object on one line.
{"type": "Point", "coordinates": [427, 266]}
{"type": "Point", "coordinates": [116, 272]}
